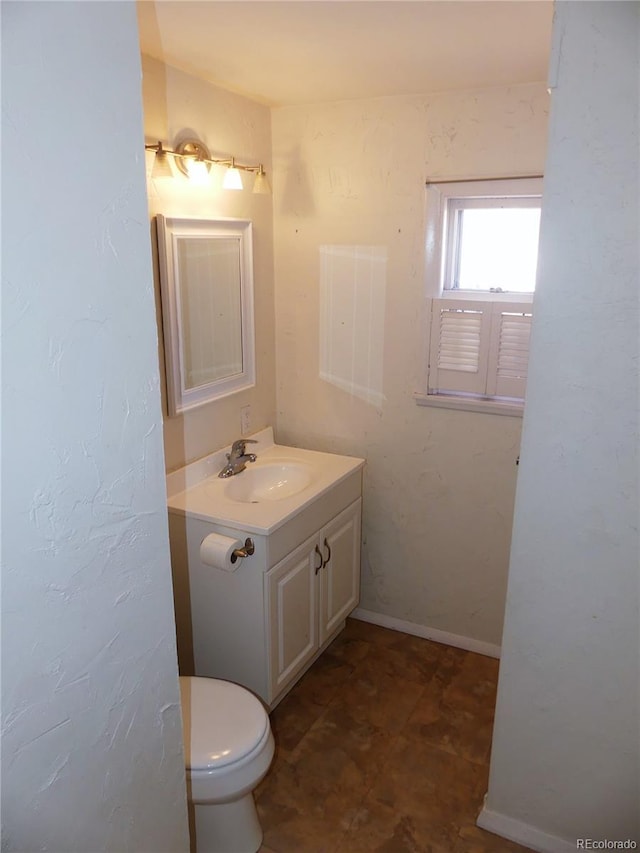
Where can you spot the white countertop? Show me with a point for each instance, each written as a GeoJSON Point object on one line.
{"type": "Point", "coordinates": [198, 492]}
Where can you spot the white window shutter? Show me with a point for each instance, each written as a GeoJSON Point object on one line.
{"type": "Point", "coordinates": [509, 350]}
{"type": "Point", "coordinates": [459, 350]}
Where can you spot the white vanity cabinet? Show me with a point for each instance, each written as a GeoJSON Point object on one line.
{"type": "Point", "coordinates": [263, 622]}
{"type": "Point", "coordinates": [309, 594]}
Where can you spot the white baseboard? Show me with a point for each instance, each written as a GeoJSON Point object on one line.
{"type": "Point", "coordinates": [523, 833]}
{"type": "Point", "coordinates": [467, 643]}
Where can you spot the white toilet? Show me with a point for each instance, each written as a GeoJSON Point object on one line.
{"type": "Point", "coordinates": [228, 749]}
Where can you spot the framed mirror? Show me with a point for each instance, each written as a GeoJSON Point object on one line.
{"type": "Point", "coordinates": [206, 283]}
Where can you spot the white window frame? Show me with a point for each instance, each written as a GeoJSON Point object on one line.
{"type": "Point", "coordinates": [495, 379]}
{"type": "Point", "coordinates": [451, 235]}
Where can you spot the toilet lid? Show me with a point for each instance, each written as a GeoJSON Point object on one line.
{"type": "Point", "coordinates": [222, 722]}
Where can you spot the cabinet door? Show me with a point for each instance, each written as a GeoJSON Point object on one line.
{"type": "Point", "coordinates": [340, 575]}
{"type": "Point", "coordinates": [291, 608]}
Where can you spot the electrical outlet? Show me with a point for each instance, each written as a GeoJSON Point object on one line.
{"type": "Point", "coordinates": [245, 420]}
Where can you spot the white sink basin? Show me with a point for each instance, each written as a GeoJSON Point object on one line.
{"type": "Point", "coordinates": [273, 481]}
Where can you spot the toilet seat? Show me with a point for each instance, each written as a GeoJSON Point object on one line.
{"type": "Point", "coordinates": [223, 723]}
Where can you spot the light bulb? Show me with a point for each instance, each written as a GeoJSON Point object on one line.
{"type": "Point", "coordinates": [232, 179]}
{"type": "Point", "coordinates": [261, 184]}
{"type": "Point", "coordinates": [161, 165]}
{"type": "Point", "coordinates": [197, 170]}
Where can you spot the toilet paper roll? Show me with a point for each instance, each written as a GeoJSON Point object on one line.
{"type": "Point", "coordinates": [217, 550]}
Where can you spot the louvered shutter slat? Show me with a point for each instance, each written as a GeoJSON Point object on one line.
{"type": "Point", "coordinates": [459, 340]}
{"type": "Point", "coordinates": [459, 346]}
{"type": "Point", "coordinates": [509, 356]}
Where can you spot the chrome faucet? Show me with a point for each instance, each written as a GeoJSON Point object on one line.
{"type": "Point", "coordinates": [237, 459]}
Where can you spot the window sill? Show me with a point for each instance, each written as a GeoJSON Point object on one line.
{"type": "Point", "coordinates": [470, 404]}
{"type": "Point", "coordinates": [488, 296]}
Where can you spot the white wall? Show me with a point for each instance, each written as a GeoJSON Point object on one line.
{"type": "Point", "coordinates": [91, 754]}
{"type": "Point", "coordinates": [565, 758]}
{"type": "Point", "coordinates": [439, 484]}
{"type": "Point", "coordinates": [177, 105]}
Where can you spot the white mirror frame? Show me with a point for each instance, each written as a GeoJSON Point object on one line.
{"type": "Point", "coordinates": [181, 398]}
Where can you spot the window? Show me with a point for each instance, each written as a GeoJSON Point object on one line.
{"type": "Point", "coordinates": [492, 244]}
{"type": "Point", "coordinates": [482, 259]}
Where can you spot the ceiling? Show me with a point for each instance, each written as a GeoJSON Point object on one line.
{"type": "Point", "coordinates": [310, 51]}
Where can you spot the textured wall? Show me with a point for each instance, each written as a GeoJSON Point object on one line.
{"type": "Point", "coordinates": [177, 104]}
{"type": "Point", "coordinates": [566, 750]}
{"type": "Point", "coordinates": [439, 484]}
{"type": "Point", "coordinates": [92, 745]}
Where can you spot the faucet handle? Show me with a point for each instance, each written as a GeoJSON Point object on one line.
{"type": "Point", "coordinates": [239, 445]}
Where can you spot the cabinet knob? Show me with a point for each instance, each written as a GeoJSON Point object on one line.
{"type": "Point", "coordinates": [319, 555]}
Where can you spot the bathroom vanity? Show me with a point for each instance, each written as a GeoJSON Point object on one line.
{"type": "Point", "coordinates": [262, 620]}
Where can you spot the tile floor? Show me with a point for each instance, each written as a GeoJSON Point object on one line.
{"type": "Point", "coordinates": [382, 746]}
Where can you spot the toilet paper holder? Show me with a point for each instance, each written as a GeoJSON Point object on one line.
{"type": "Point", "coordinates": [247, 551]}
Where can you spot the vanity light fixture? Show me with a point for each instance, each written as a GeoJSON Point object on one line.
{"type": "Point", "coordinates": [193, 159]}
